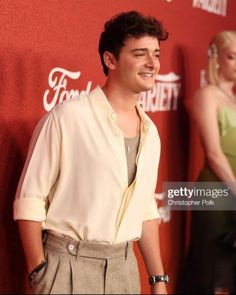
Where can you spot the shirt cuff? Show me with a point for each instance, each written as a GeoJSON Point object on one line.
{"type": "Point", "coordinates": [152, 211]}
{"type": "Point", "coordinates": [29, 209]}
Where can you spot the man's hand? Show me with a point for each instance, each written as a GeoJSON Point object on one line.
{"type": "Point", "coordinates": [159, 288]}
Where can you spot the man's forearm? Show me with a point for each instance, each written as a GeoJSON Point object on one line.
{"type": "Point", "coordinates": [31, 238]}
{"type": "Point", "coordinates": [150, 247]}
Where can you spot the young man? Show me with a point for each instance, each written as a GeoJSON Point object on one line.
{"type": "Point", "coordinates": [90, 176]}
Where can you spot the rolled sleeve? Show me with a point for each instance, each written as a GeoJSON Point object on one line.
{"type": "Point", "coordinates": [151, 211]}
{"type": "Point", "coordinates": [40, 172]}
{"type": "Point", "coordinates": [29, 209]}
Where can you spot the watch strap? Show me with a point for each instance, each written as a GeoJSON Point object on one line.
{"type": "Point", "coordinates": [158, 279]}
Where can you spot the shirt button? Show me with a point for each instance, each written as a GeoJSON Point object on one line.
{"type": "Point", "coordinates": [113, 115]}
{"type": "Point", "coordinates": [71, 247]}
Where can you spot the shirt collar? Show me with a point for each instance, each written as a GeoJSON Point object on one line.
{"type": "Point", "coordinates": [100, 100]}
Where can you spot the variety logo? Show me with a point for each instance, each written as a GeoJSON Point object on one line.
{"type": "Point", "coordinates": [57, 92]}
{"type": "Point", "coordinates": [164, 96]}
{"type": "Point", "coordinates": [213, 6]}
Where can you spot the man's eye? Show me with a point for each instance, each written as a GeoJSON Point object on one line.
{"type": "Point", "coordinates": [139, 54]}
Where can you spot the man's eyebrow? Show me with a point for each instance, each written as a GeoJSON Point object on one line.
{"type": "Point", "coordinates": [145, 50]}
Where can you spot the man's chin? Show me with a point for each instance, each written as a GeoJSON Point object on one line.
{"type": "Point", "coordinates": [145, 88]}
{"type": "Point", "coordinates": [149, 87]}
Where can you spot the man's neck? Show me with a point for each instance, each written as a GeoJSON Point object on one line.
{"type": "Point", "coordinates": [122, 101]}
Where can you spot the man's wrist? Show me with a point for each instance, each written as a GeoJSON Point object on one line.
{"type": "Point", "coordinates": [36, 270]}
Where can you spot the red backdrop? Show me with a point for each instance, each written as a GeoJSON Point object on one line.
{"type": "Point", "coordinates": [48, 51]}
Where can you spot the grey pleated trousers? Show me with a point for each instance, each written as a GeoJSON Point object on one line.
{"type": "Point", "coordinates": [87, 268]}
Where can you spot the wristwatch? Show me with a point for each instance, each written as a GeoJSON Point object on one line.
{"type": "Point", "coordinates": [157, 279]}
{"type": "Point", "coordinates": [36, 270]}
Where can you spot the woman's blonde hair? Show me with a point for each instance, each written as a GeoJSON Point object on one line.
{"type": "Point", "coordinates": [218, 43]}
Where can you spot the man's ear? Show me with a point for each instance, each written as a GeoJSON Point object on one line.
{"type": "Point", "coordinates": [109, 60]}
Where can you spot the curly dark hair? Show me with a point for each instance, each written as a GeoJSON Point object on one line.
{"type": "Point", "coordinates": [125, 25]}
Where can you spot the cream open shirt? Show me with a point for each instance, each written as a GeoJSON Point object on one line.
{"type": "Point", "coordinates": [75, 177]}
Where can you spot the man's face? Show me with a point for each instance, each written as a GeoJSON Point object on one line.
{"type": "Point", "coordinates": [138, 64]}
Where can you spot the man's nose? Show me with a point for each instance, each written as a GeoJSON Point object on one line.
{"type": "Point", "coordinates": [152, 62]}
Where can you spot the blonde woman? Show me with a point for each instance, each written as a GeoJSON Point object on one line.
{"type": "Point", "coordinates": [211, 266]}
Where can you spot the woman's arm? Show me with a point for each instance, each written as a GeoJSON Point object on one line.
{"type": "Point", "coordinates": [204, 112]}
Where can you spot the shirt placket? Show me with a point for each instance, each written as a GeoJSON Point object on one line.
{"type": "Point", "coordinates": [130, 189]}
{"type": "Point", "coordinates": [120, 147]}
